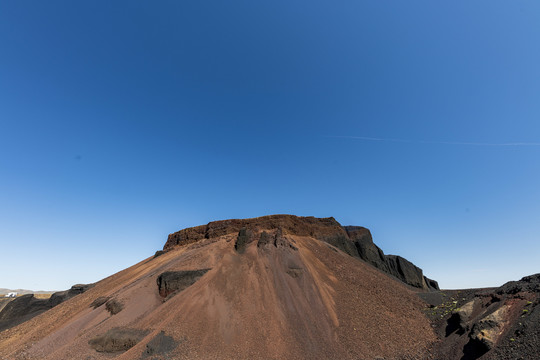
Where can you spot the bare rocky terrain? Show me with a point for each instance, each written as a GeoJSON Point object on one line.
{"type": "Point", "coordinates": [277, 287]}
{"type": "Point", "coordinates": [493, 324]}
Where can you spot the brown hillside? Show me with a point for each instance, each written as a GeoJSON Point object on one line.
{"type": "Point", "coordinates": [269, 289]}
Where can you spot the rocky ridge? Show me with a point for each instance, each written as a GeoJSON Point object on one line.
{"type": "Point", "coordinates": [353, 240]}
{"type": "Point", "coordinates": [28, 306]}
{"type": "Point", "coordinates": [255, 291]}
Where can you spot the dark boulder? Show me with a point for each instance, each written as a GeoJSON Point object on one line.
{"type": "Point", "coordinates": [242, 240]}
{"type": "Point", "coordinates": [160, 345]}
{"type": "Point", "coordinates": [117, 340]}
{"type": "Point", "coordinates": [99, 301]}
{"type": "Point", "coordinates": [114, 306]}
{"type": "Point", "coordinates": [175, 281]}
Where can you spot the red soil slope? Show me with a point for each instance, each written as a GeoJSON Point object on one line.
{"type": "Point", "coordinates": [298, 298]}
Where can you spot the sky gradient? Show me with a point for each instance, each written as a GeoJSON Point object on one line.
{"type": "Point", "coordinates": [122, 122]}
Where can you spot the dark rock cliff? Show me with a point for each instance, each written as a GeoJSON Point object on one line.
{"type": "Point", "coordinates": [353, 240]}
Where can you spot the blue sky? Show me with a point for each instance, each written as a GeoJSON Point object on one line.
{"type": "Point", "coordinates": [121, 122]}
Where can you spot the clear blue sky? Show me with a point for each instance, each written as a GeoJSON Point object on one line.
{"type": "Point", "coordinates": [124, 121]}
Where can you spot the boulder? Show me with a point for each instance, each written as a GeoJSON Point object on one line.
{"type": "Point", "coordinates": [460, 319]}
{"type": "Point", "coordinates": [117, 340]}
{"type": "Point", "coordinates": [160, 345]}
{"type": "Point", "coordinates": [242, 240]}
{"type": "Point", "coordinates": [171, 282]}
{"type": "Point", "coordinates": [486, 332]}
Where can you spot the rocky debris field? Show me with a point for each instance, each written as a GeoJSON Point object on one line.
{"type": "Point", "coordinates": [493, 324]}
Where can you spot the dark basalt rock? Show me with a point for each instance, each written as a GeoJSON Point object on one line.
{"type": "Point", "coordinates": [243, 239]}
{"type": "Point", "coordinates": [278, 240]}
{"type": "Point", "coordinates": [61, 296]}
{"type": "Point", "coordinates": [160, 345]}
{"type": "Point", "coordinates": [431, 284]}
{"type": "Point", "coordinates": [27, 306]}
{"type": "Point", "coordinates": [342, 242]}
{"type": "Point", "coordinates": [405, 270]}
{"type": "Point", "coordinates": [99, 301]}
{"type": "Point", "coordinates": [175, 281]}
{"type": "Point", "coordinates": [114, 306]}
{"type": "Point", "coordinates": [117, 340]}
{"type": "Point", "coordinates": [290, 224]}
{"type": "Point", "coordinates": [365, 247]}
{"type": "Point", "coordinates": [264, 239]}
{"type": "Point", "coordinates": [527, 284]}
{"type": "Point", "coordinates": [397, 266]}
{"type": "Point", "coordinates": [353, 240]}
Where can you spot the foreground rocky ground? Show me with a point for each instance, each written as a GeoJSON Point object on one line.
{"type": "Point", "coordinates": [276, 287]}
{"type": "Point", "coordinates": [492, 324]}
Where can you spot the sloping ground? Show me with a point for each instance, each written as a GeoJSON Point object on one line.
{"type": "Point", "coordinates": [266, 293]}
{"type": "Point", "coordinates": [27, 306]}
{"type": "Point", "coordinates": [490, 324]}
{"type": "Point", "coordinates": [353, 240]}
{"type": "Point", "coordinates": [4, 302]}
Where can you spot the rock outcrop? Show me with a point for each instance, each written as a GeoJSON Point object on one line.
{"type": "Point", "coordinates": [353, 240]}
{"type": "Point", "coordinates": [173, 281]}
{"type": "Point", "coordinates": [501, 323]}
{"type": "Point", "coordinates": [117, 340]}
{"type": "Point", "coordinates": [394, 265]}
{"type": "Point", "coordinates": [27, 306]}
{"type": "Point", "coordinates": [244, 237]}
{"type": "Point", "coordinates": [284, 297]}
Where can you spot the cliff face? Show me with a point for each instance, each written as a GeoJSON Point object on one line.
{"type": "Point", "coordinates": [353, 240]}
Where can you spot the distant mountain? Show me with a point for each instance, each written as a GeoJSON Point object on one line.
{"type": "Point", "coordinates": [23, 291]}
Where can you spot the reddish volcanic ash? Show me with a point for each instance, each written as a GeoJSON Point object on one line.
{"type": "Point", "coordinates": [265, 288]}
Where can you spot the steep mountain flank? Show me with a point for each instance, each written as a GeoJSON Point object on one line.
{"type": "Point", "coordinates": [353, 240]}
{"type": "Point", "coordinates": [268, 288]}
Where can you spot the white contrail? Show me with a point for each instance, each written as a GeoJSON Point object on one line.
{"type": "Point", "coordinates": [437, 142]}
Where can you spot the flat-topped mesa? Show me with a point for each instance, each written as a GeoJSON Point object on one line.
{"type": "Point", "coordinates": [289, 224]}
{"type": "Point", "coordinates": [353, 240]}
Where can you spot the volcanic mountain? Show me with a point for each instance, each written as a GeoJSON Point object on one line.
{"type": "Point", "coordinates": [275, 287]}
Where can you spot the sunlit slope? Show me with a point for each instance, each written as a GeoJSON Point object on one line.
{"type": "Point", "coordinates": [283, 297]}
